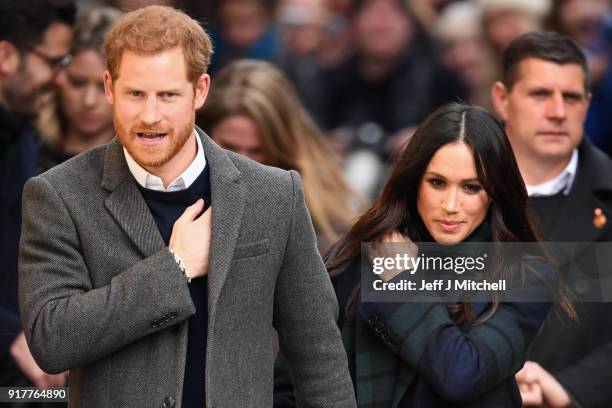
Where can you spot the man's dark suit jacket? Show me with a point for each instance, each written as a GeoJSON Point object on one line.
{"type": "Point", "coordinates": [579, 354]}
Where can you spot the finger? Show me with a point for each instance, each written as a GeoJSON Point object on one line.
{"type": "Point", "coordinates": [397, 237]}
{"type": "Point", "coordinates": [192, 211]}
{"type": "Point", "coordinates": [58, 380]}
{"type": "Point", "coordinates": [205, 218]}
{"type": "Point", "coordinates": [38, 377]}
{"type": "Point", "coordinates": [520, 375]}
{"type": "Point", "coordinates": [391, 237]}
{"type": "Point", "coordinates": [532, 396]}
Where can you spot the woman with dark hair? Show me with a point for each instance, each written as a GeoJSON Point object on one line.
{"type": "Point", "coordinates": [456, 182]}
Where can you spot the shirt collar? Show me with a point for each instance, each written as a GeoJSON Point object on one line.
{"type": "Point", "coordinates": [182, 182]}
{"type": "Point", "coordinates": [562, 183]}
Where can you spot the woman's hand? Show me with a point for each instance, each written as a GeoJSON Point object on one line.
{"type": "Point", "coordinates": [392, 244]}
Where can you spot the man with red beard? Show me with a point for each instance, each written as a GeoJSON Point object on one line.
{"type": "Point", "coordinates": [155, 267]}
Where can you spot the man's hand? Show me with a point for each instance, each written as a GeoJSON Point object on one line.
{"type": "Point", "coordinates": [539, 388]}
{"type": "Point", "coordinates": [531, 392]}
{"type": "Point", "coordinates": [190, 239]}
{"type": "Point", "coordinates": [20, 352]}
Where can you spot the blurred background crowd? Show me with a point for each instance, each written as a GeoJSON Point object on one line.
{"type": "Point", "coordinates": [367, 71]}
{"type": "Point", "coordinates": [332, 88]}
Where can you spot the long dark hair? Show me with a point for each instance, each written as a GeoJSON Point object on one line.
{"type": "Point", "coordinates": [395, 208]}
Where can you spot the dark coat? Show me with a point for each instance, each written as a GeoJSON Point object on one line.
{"type": "Point", "coordinates": [17, 164]}
{"type": "Point", "coordinates": [579, 354]}
{"type": "Point", "coordinates": [402, 99]}
{"type": "Point", "coordinates": [413, 354]}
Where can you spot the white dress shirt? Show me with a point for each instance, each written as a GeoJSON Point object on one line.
{"type": "Point", "coordinates": [562, 183]}
{"type": "Point", "coordinates": [152, 182]}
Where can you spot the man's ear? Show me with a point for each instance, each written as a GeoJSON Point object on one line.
{"type": "Point", "coordinates": [9, 59]}
{"type": "Point", "coordinates": [108, 87]}
{"type": "Point", "coordinates": [202, 87]}
{"type": "Point", "coordinates": [499, 96]}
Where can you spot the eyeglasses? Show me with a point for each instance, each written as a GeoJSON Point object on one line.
{"type": "Point", "coordinates": [55, 63]}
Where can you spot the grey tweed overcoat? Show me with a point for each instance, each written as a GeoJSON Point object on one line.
{"type": "Point", "coordinates": [101, 295]}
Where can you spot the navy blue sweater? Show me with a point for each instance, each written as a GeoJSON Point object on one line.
{"type": "Point", "coordinates": [166, 208]}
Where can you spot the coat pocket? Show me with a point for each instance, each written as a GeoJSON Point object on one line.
{"type": "Point", "coordinates": [252, 249]}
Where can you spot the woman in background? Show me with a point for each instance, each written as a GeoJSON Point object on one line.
{"type": "Point", "coordinates": [79, 117]}
{"type": "Point", "coordinates": [254, 111]}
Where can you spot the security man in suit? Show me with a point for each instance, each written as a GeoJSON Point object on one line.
{"type": "Point", "coordinates": [154, 267]}
{"type": "Point", "coordinates": [543, 99]}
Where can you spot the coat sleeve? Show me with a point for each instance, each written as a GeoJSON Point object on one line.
{"type": "Point", "coordinates": [305, 312]}
{"type": "Point", "coordinates": [66, 320]}
{"type": "Point", "coordinates": [461, 365]}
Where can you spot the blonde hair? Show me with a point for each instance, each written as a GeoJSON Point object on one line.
{"type": "Point", "coordinates": [88, 34]}
{"type": "Point", "coordinates": [259, 91]}
{"type": "Point", "coordinates": [154, 29]}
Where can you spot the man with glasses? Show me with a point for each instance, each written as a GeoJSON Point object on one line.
{"type": "Point", "coordinates": [34, 40]}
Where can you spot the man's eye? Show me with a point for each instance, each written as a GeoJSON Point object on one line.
{"type": "Point", "coordinates": [135, 93]}
{"type": "Point", "coordinates": [169, 94]}
{"type": "Point", "coordinates": [572, 98]}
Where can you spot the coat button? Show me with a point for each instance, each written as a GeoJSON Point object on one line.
{"type": "Point", "coordinates": [372, 319]}
{"type": "Point", "coordinates": [169, 402]}
{"type": "Point", "coordinates": [379, 327]}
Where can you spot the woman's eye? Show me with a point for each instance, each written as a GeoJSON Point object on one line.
{"type": "Point", "coordinates": [436, 182]}
{"type": "Point", "coordinates": [76, 82]}
{"type": "Point", "coordinates": [472, 188]}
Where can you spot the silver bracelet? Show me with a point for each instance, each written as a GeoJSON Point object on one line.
{"type": "Point", "coordinates": [181, 265]}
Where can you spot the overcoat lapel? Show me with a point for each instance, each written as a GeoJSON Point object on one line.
{"type": "Point", "coordinates": [228, 198]}
{"type": "Point", "coordinates": [125, 203]}
{"type": "Point", "coordinates": [576, 220]}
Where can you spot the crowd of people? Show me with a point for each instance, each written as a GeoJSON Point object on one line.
{"type": "Point", "coordinates": [368, 72]}
{"type": "Point", "coordinates": [390, 121]}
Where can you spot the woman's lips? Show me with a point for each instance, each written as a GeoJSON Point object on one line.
{"type": "Point", "coordinates": [89, 118]}
{"type": "Point", "coordinates": [449, 226]}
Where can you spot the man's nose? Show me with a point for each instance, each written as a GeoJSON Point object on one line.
{"type": "Point", "coordinates": [150, 114]}
{"type": "Point", "coordinates": [556, 108]}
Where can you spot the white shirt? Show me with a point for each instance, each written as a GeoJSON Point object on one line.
{"type": "Point", "coordinates": [182, 182]}
{"type": "Point", "coordinates": [562, 183]}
